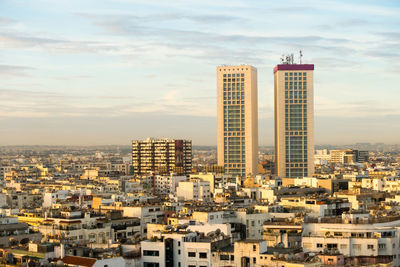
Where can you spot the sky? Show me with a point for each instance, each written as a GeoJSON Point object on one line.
{"type": "Point", "coordinates": [100, 72]}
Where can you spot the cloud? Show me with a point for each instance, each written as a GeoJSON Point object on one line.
{"type": "Point", "coordinates": [136, 27]}
{"type": "Point", "coordinates": [6, 21]}
{"type": "Point", "coordinates": [8, 40]}
{"type": "Point", "coordinates": [362, 9]}
{"type": "Point", "coordinates": [146, 36]}
{"type": "Point", "coordinates": [327, 107]}
{"type": "Point", "coordinates": [68, 78]}
{"type": "Point", "coordinates": [167, 17]}
{"type": "Point", "coordinates": [347, 24]}
{"type": "Point", "coordinates": [211, 46]}
{"type": "Point", "coordinates": [40, 104]}
{"type": "Point", "coordinates": [7, 71]}
{"type": "Point", "coordinates": [174, 103]}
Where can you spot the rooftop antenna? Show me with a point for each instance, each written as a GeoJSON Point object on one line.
{"type": "Point", "coordinates": [301, 57]}
{"type": "Point", "coordinates": [283, 59]}
{"type": "Point", "coordinates": [287, 59]}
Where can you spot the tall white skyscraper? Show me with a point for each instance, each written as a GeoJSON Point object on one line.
{"type": "Point", "coordinates": [294, 120]}
{"type": "Point", "coordinates": [237, 119]}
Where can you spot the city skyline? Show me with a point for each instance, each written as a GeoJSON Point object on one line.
{"type": "Point", "coordinates": [74, 74]}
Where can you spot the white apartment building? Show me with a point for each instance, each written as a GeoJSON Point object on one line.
{"type": "Point", "coordinates": [167, 184]}
{"type": "Point", "coordinates": [207, 177]}
{"type": "Point", "coordinates": [3, 200]}
{"type": "Point", "coordinates": [253, 220]}
{"type": "Point", "coordinates": [321, 157]}
{"type": "Point", "coordinates": [71, 227]}
{"type": "Point", "coordinates": [180, 248]}
{"type": "Point", "coordinates": [254, 223]}
{"type": "Point", "coordinates": [384, 184]}
{"type": "Point", "coordinates": [4, 170]}
{"type": "Point", "coordinates": [354, 235]}
{"type": "Point", "coordinates": [392, 184]}
{"type": "Point", "coordinates": [211, 217]}
{"type": "Point", "coordinates": [195, 189]}
{"type": "Point", "coordinates": [51, 197]}
{"type": "Point", "coordinates": [147, 214]}
{"type": "Point", "coordinates": [317, 207]}
{"type": "Point", "coordinates": [254, 253]}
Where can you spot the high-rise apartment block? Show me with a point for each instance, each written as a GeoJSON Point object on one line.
{"type": "Point", "coordinates": [162, 156]}
{"type": "Point", "coordinates": [294, 120]}
{"type": "Point", "coordinates": [237, 130]}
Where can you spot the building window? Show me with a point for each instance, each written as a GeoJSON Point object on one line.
{"type": "Point", "coordinates": [151, 253]}
{"type": "Point", "coordinates": [254, 248]}
{"type": "Point", "coordinates": [254, 260]}
{"type": "Point", "coordinates": [192, 254]}
{"type": "Point", "coordinates": [224, 257]}
{"type": "Point", "coordinates": [203, 255]}
{"type": "Point", "coordinates": [319, 245]}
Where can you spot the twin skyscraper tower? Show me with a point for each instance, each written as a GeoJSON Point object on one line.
{"type": "Point", "coordinates": [237, 107]}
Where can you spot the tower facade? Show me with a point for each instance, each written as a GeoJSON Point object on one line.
{"type": "Point", "coordinates": [294, 120]}
{"type": "Point", "coordinates": [237, 116]}
{"type": "Point", "coordinates": [162, 155]}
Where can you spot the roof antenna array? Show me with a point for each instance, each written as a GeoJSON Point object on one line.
{"type": "Point", "coordinates": [287, 59]}
{"type": "Point", "coordinates": [301, 57]}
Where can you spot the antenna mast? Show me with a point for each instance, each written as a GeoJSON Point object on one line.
{"type": "Point", "coordinates": [301, 57]}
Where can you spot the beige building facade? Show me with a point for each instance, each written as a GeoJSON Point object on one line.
{"type": "Point", "coordinates": [294, 120]}
{"type": "Point", "coordinates": [163, 156]}
{"type": "Point", "coordinates": [237, 130]}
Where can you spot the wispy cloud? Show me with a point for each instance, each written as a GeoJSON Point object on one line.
{"type": "Point", "coordinates": [35, 104]}
{"type": "Point", "coordinates": [6, 21]}
{"type": "Point", "coordinates": [10, 70]}
{"type": "Point", "coordinates": [327, 107]}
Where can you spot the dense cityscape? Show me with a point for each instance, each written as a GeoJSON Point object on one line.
{"type": "Point", "coordinates": [239, 133]}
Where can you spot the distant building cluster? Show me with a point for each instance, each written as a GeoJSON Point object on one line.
{"type": "Point", "coordinates": [342, 156]}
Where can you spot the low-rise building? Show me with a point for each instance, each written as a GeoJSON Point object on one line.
{"type": "Point", "coordinates": [194, 189]}
{"type": "Point", "coordinates": [355, 235]}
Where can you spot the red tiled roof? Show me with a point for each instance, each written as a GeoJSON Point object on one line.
{"type": "Point", "coordinates": [81, 261]}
